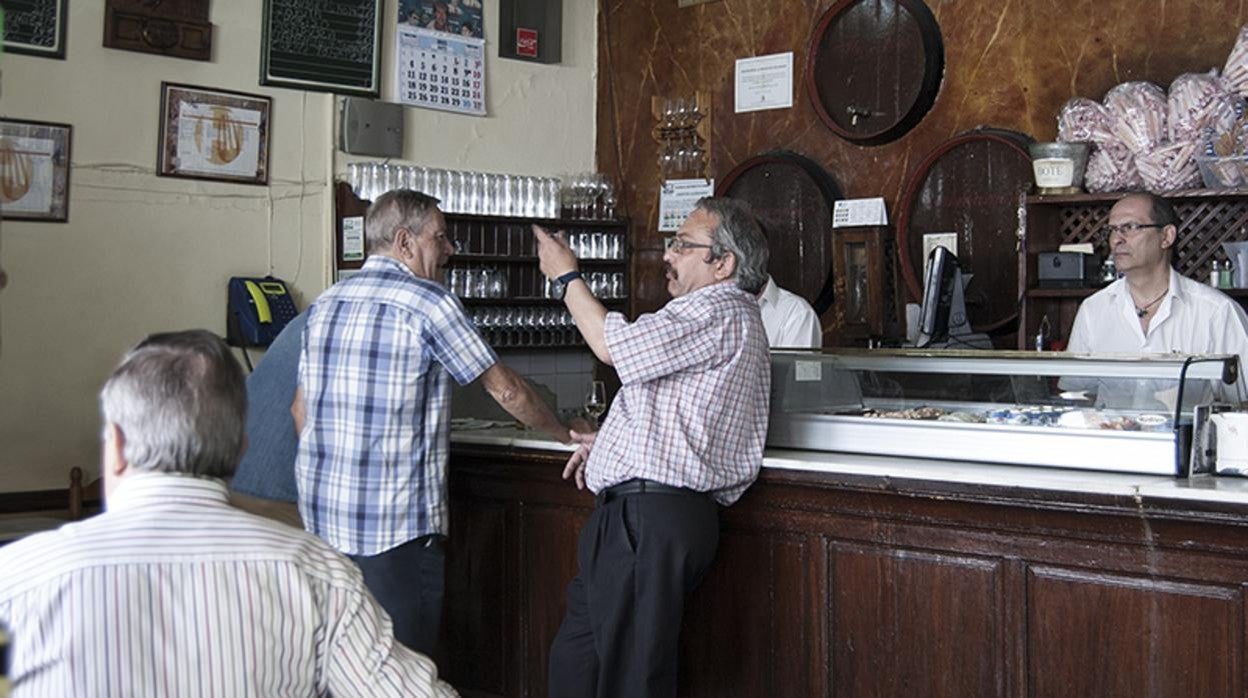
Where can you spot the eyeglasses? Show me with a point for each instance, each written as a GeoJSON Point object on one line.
{"type": "Point", "coordinates": [1127, 229]}
{"type": "Point", "coordinates": [675, 244]}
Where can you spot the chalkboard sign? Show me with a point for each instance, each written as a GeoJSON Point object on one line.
{"type": "Point", "coordinates": [35, 27]}
{"type": "Point", "coordinates": [326, 45]}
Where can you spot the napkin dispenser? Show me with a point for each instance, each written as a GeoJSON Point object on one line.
{"type": "Point", "coordinates": [1067, 270]}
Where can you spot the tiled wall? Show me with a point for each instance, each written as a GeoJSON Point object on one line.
{"type": "Point", "coordinates": [562, 376]}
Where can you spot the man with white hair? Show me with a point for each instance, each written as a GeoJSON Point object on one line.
{"type": "Point", "coordinates": [379, 351]}
{"type": "Point", "coordinates": [173, 592]}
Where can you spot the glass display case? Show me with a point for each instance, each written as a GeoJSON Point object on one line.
{"type": "Point", "coordinates": [1117, 413]}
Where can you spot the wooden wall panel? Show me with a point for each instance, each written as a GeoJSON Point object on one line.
{"type": "Point", "coordinates": [910, 623]}
{"type": "Point", "coordinates": [1092, 634]}
{"type": "Point", "coordinates": [482, 599]}
{"type": "Point", "coordinates": [548, 564]}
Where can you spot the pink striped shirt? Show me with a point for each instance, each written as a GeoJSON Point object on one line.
{"type": "Point", "coordinates": [172, 592]}
{"type": "Point", "coordinates": [692, 408]}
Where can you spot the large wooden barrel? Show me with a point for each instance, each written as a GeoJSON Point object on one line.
{"type": "Point", "coordinates": [874, 68]}
{"type": "Point", "coordinates": [793, 198]}
{"type": "Point", "coordinates": [971, 185]}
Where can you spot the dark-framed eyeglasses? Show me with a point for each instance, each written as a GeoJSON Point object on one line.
{"type": "Point", "coordinates": [679, 246]}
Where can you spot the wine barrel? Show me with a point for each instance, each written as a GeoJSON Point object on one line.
{"type": "Point", "coordinates": [792, 196]}
{"type": "Point", "coordinates": [970, 185]}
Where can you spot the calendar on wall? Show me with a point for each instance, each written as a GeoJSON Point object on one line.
{"type": "Point", "coordinates": [440, 70]}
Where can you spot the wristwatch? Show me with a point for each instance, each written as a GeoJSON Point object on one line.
{"type": "Point", "coordinates": [566, 279]}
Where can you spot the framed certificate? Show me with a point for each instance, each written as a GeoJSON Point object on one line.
{"type": "Point", "coordinates": [34, 170]}
{"type": "Point", "coordinates": [213, 134]}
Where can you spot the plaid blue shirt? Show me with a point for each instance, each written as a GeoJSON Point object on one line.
{"type": "Point", "coordinates": [372, 457]}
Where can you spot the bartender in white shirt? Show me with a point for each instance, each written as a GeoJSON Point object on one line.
{"type": "Point", "coordinates": [1153, 309]}
{"type": "Point", "coordinates": [789, 320]}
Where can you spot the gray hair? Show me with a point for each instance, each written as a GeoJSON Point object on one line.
{"type": "Point", "coordinates": [397, 208]}
{"type": "Point", "coordinates": [738, 232]}
{"type": "Point", "coordinates": [180, 400]}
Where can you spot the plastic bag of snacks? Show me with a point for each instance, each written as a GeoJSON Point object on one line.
{"type": "Point", "coordinates": [1111, 167]}
{"type": "Point", "coordinates": [1139, 115]}
{"type": "Point", "coordinates": [1197, 101]}
{"type": "Point", "coordinates": [1235, 72]}
{"type": "Point", "coordinates": [1170, 167]}
{"type": "Point", "coordinates": [1083, 119]}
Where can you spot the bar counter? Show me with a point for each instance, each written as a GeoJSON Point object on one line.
{"type": "Point", "coordinates": [843, 574]}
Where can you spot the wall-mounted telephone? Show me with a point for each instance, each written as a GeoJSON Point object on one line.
{"type": "Point", "coordinates": [257, 311]}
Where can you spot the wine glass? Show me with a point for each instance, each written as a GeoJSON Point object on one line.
{"type": "Point", "coordinates": [596, 401]}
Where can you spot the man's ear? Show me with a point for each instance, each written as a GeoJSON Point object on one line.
{"type": "Point", "coordinates": [114, 449]}
{"type": "Point", "coordinates": [725, 266]}
{"type": "Point", "coordinates": [1168, 236]}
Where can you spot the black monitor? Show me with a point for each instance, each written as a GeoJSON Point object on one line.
{"type": "Point", "coordinates": [940, 280]}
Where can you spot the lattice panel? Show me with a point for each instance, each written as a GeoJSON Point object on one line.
{"type": "Point", "coordinates": [1206, 224]}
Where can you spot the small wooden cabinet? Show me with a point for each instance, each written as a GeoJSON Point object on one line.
{"type": "Point", "coordinates": [1208, 218]}
{"type": "Point", "coordinates": [864, 268]}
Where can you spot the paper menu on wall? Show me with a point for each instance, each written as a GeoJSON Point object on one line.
{"type": "Point", "coordinates": [852, 213]}
{"type": "Point", "coordinates": [677, 198]}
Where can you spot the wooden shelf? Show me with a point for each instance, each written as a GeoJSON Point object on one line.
{"type": "Point", "coordinates": [1115, 195]}
{"type": "Point", "coordinates": [528, 259]}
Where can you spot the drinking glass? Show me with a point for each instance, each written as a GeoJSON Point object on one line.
{"type": "Point", "coordinates": [355, 177]}
{"type": "Point", "coordinates": [596, 401]}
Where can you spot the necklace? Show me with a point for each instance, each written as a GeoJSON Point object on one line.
{"type": "Point", "coordinates": [1142, 310]}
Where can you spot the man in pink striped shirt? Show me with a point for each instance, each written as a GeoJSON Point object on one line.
{"type": "Point", "coordinates": [684, 435]}
{"type": "Point", "coordinates": [173, 592]}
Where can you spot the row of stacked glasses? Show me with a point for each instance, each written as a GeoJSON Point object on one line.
{"type": "Point", "coordinates": [589, 195]}
{"type": "Point", "coordinates": [474, 193]}
{"type": "Point", "coordinates": [525, 327]}
{"type": "Point", "coordinates": [604, 285]}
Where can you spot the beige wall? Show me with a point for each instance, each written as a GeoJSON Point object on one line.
{"type": "Point", "coordinates": [142, 253]}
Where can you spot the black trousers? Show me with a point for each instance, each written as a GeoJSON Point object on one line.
{"type": "Point", "coordinates": [409, 582]}
{"type": "Point", "coordinates": [640, 557]}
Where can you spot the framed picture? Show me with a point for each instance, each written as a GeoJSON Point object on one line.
{"type": "Point", "coordinates": [35, 27]}
{"type": "Point", "coordinates": [213, 134]}
{"type": "Point", "coordinates": [34, 170]}
{"type": "Point", "coordinates": [324, 46]}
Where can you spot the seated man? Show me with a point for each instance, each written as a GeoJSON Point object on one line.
{"type": "Point", "coordinates": [171, 591]}
{"type": "Point", "coordinates": [790, 321]}
{"type": "Point", "coordinates": [264, 482]}
{"type": "Point", "coordinates": [1152, 308]}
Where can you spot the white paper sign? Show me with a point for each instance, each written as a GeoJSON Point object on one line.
{"type": "Point", "coordinates": [764, 82]}
{"type": "Point", "coordinates": [851, 213]}
{"type": "Point", "coordinates": [931, 241]}
{"type": "Point", "coordinates": [353, 239]}
{"type": "Point", "coordinates": [676, 200]}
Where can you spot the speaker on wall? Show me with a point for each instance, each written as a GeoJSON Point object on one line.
{"type": "Point", "coordinates": [531, 30]}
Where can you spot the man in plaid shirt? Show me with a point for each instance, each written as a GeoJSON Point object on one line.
{"type": "Point", "coordinates": [375, 429]}
{"type": "Point", "coordinates": [684, 435]}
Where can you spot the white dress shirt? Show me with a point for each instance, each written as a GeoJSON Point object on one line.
{"type": "Point", "coordinates": [788, 318]}
{"type": "Point", "coordinates": [1191, 319]}
{"type": "Point", "coordinates": [172, 592]}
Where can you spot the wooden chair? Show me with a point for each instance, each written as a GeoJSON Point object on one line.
{"type": "Point", "coordinates": [82, 497]}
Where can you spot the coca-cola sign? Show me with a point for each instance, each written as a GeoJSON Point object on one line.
{"type": "Point", "coordinates": [526, 42]}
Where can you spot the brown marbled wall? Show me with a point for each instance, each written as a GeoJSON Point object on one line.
{"type": "Point", "coordinates": [1008, 63]}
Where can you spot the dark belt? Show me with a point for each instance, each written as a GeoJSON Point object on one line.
{"type": "Point", "coordinates": [641, 486]}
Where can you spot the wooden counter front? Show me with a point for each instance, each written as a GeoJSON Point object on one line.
{"type": "Point", "coordinates": [866, 585]}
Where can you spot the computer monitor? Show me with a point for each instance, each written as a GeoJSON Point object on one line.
{"type": "Point", "coordinates": [941, 279]}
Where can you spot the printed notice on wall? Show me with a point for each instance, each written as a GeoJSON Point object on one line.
{"type": "Point", "coordinates": [353, 239]}
{"type": "Point", "coordinates": [764, 82]}
{"type": "Point", "coordinates": [676, 200]}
